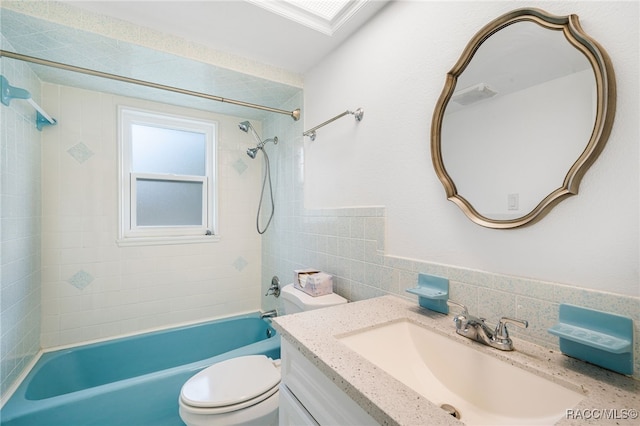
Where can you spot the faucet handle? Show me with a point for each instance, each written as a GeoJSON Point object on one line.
{"type": "Point", "coordinates": [462, 319]}
{"type": "Point", "coordinates": [501, 328]}
{"type": "Point", "coordinates": [465, 311]}
{"type": "Point", "coordinates": [275, 287]}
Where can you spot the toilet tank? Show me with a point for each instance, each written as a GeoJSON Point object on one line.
{"type": "Point", "coordinates": [295, 300]}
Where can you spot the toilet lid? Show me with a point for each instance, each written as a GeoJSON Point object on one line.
{"type": "Point", "coordinates": [231, 382]}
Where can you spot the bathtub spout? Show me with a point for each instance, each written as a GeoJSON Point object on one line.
{"type": "Point", "coordinates": [269, 314]}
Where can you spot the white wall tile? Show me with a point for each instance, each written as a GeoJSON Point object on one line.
{"type": "Point", "coordinates": [21, 226]}
{"type": "Point", "coordinates": [134, 288]}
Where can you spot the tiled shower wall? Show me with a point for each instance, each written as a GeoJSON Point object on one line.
{"type": "Point", "coordinates": [20, 226]}
{"type": "Point", "coordinates": [94, 289]}
{"type": "Point", "coordinates": [349, 243]}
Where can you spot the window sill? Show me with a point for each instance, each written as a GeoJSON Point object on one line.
{"type": "Point", "coordinates": [161, 241]}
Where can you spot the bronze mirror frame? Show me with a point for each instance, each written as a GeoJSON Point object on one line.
{"type": "Point", "coordinates": [605, 111]}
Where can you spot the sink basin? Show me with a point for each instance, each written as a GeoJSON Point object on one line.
{"type": "Point", "coordinates": [477, 388]}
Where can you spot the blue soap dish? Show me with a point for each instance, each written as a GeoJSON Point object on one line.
{"type": "Point", "coordinates": [432, 292]}
{"type": "Point", "coordinates": [600, 338]}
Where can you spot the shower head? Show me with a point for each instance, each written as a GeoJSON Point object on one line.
{"type": "Point", "coordinates": [252, 152]}
{"type": "Point", "coordinates": [246, 126]}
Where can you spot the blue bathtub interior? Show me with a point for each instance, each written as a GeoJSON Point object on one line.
{"type": "Point", "coordinates": [134, 380]}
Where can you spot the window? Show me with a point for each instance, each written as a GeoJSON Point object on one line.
{"type": "Point", "coordinates": [167, 169]}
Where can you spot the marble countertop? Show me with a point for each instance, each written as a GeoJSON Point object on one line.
{"type": "Point", "coordinates": [390, 402]}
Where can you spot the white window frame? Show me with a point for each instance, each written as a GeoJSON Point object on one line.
{"type": "Point", "coordinates": [130, 233]}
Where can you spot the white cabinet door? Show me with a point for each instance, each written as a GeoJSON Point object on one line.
{"type": "Point", "coordinates": [322, 399]}
{"type": "Point", "coordinates": [291, 412]}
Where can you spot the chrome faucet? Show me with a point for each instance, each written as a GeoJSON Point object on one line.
{"type": "Point", "coordinates": [275, 287]}
{"type": "Point", "coordinates": [475, 328]}
{"type": "Point", "coordinates": [269, 314]}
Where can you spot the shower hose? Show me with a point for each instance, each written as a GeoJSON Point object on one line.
{"type": "Point", "coordinates": [267, 176]}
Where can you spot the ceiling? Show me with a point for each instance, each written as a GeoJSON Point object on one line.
{"type": "Point", "coordinates": [275, 32]}
{"type": "Point", "coordinates": [243, 29]}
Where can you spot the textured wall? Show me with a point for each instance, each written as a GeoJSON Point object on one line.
{"type": "Point", "coordinates": [69, 15]}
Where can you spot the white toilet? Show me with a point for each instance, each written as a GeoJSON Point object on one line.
{"type": "Point", "coordinates": [244, 390]}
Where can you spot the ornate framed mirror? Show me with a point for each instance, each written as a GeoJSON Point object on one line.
{"type": "Point", "coordinates": [523, 114]}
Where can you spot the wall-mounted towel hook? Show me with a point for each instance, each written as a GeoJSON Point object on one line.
{"type": "Point", "coordinates": [10, 92]}
{"type": "Point", "coordinates": [358, 114]}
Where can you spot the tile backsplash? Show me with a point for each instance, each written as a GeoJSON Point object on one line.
{"type": "Point", "coordinates": [344, 243]}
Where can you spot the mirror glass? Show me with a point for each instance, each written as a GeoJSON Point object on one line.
{"type": "Point", "coordinates": [522, 107]}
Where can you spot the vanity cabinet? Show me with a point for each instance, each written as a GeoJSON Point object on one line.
{"type": "Point", "coordinates": [308, 397]}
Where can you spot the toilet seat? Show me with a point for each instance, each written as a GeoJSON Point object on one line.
{"type": "Point", "coordinates": [231, 385]}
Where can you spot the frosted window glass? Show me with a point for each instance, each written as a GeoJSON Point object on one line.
{"type": "Point", "coordinates": [168, 203]}
{"type": "Point", "coordinates": [162, 150]}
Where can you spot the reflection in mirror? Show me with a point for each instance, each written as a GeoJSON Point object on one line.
{"type": "Point", "coordinates": [537, 110]}
{"type": "Point", "coordinates": [523, 114]}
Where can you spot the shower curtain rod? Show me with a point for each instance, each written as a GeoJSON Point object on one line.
{"type": "Point", "coordinates": [19, 56]}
